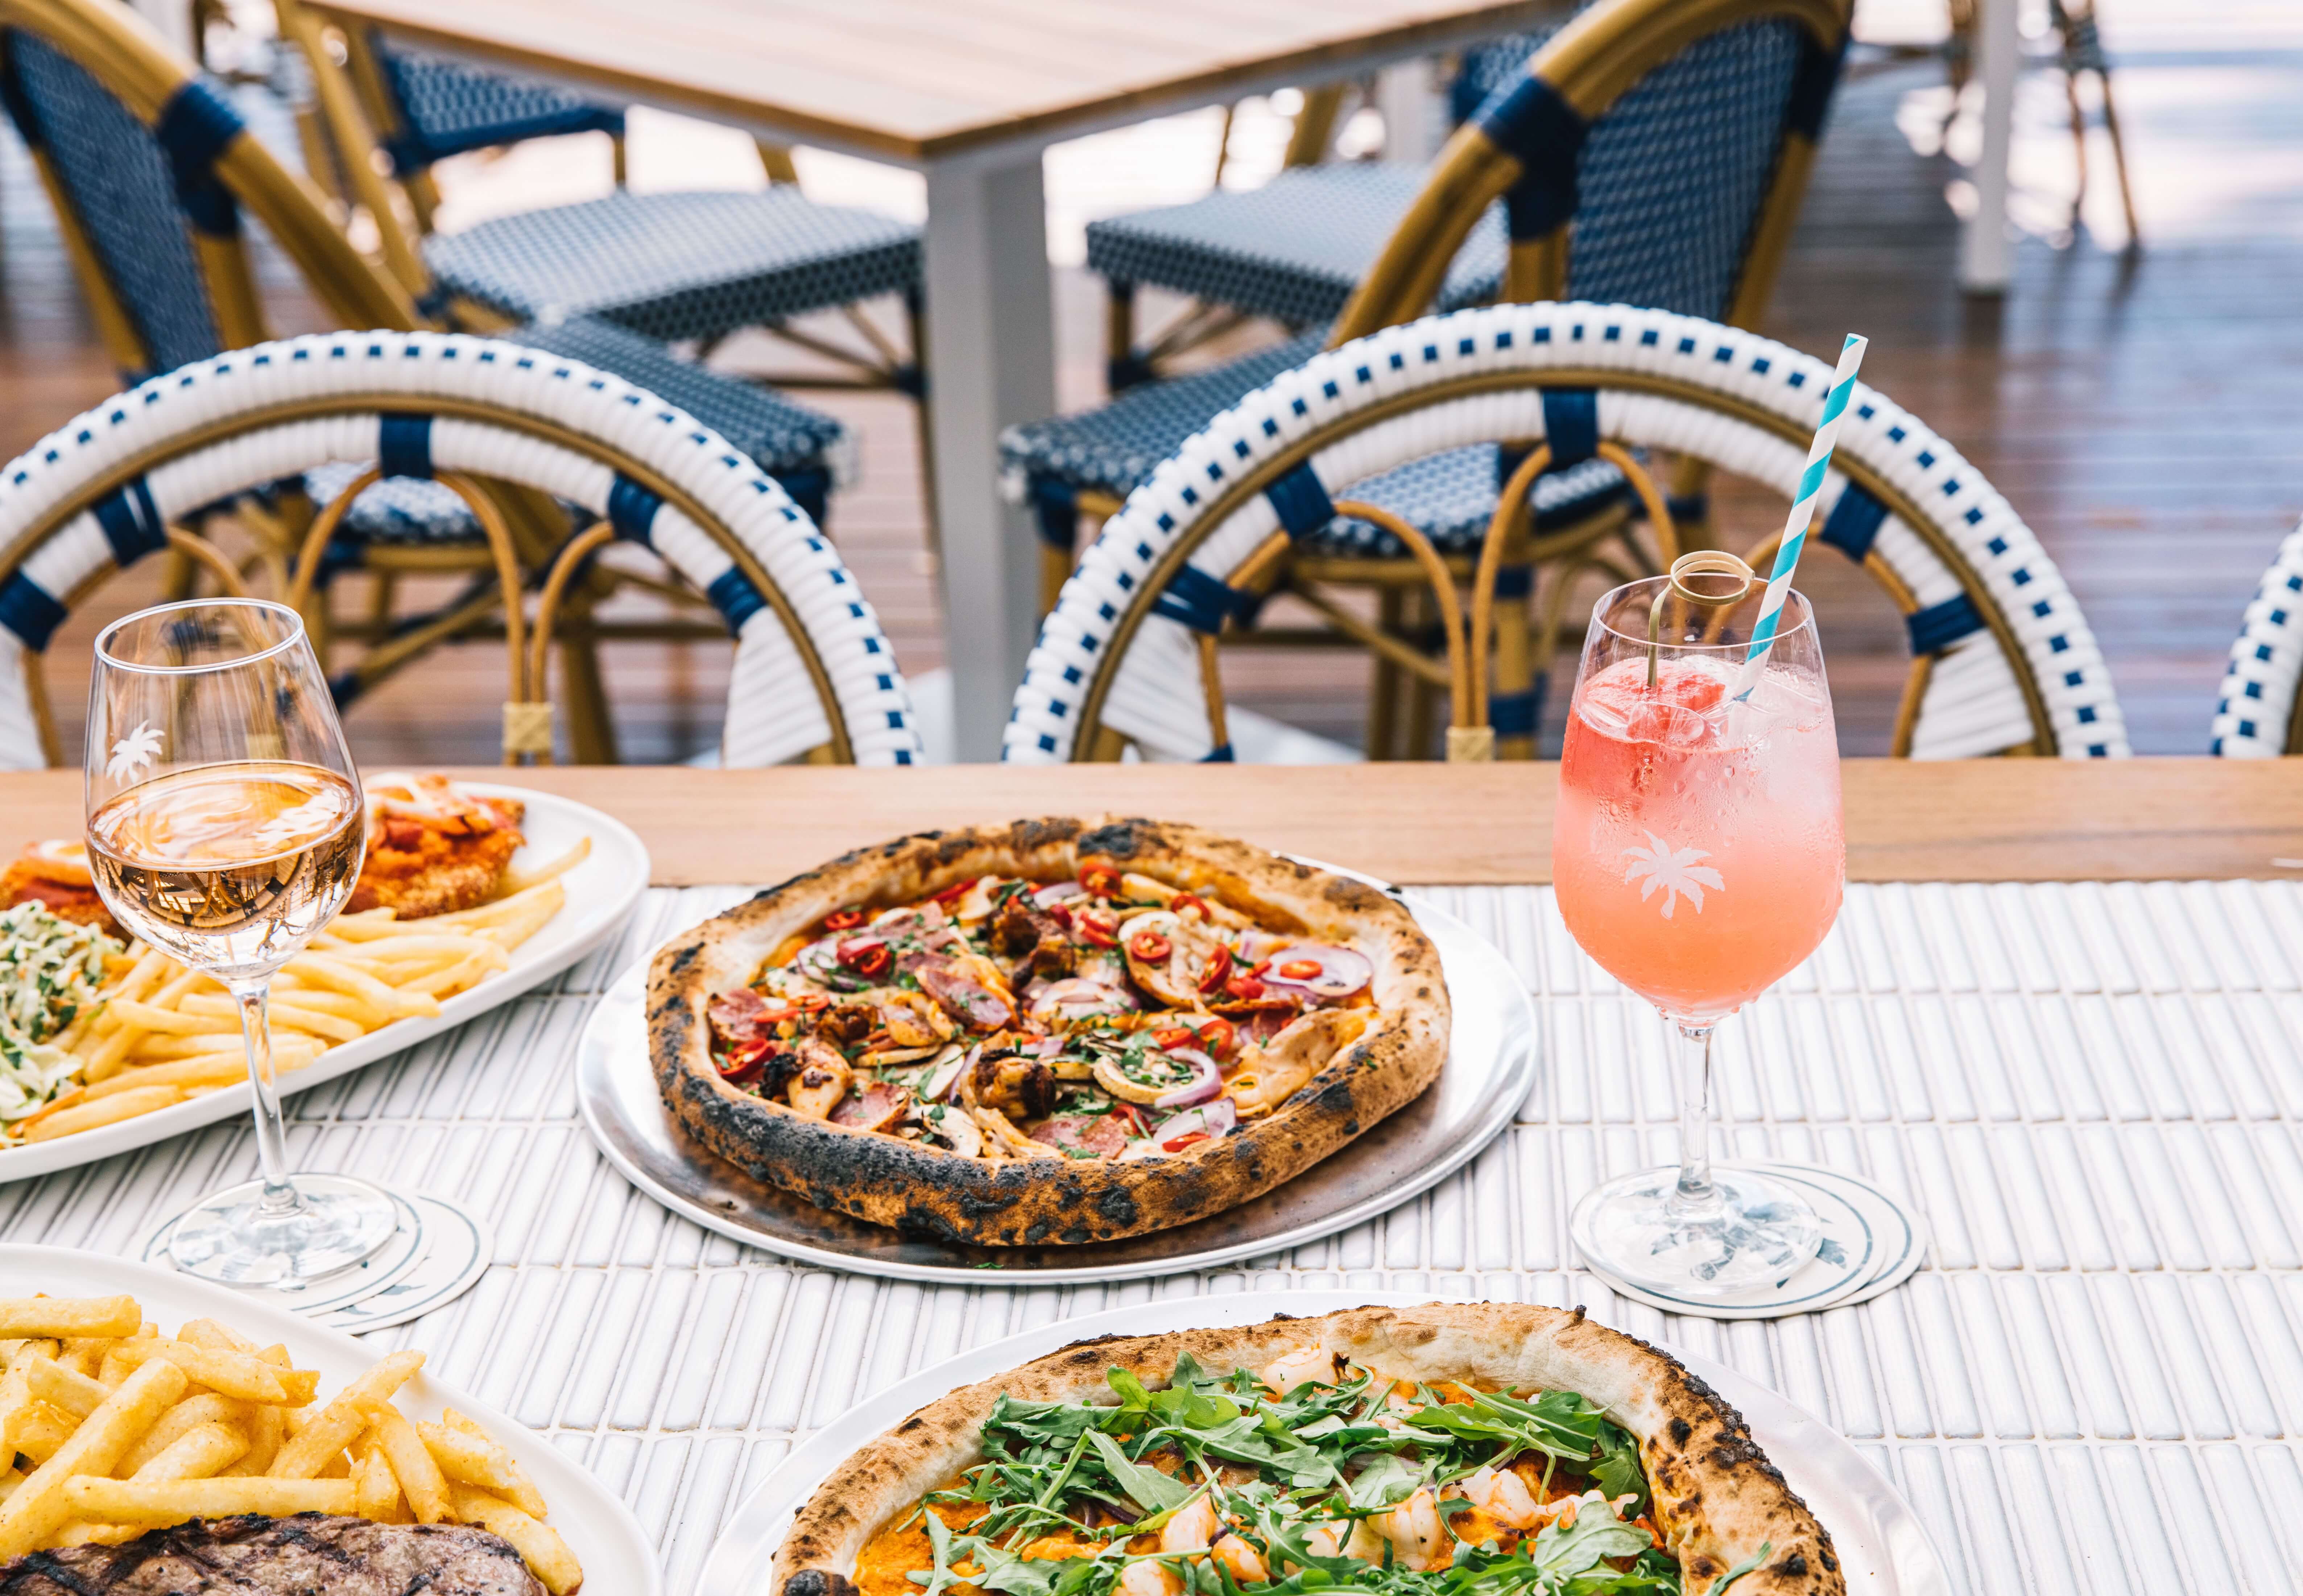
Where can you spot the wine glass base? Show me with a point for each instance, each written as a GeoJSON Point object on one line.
{"type": "Point", "coordinates": [1760, 1233]}
{"type": "Point", "coordinates": [228, 1239]}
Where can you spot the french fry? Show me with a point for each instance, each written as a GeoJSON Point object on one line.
{"type": "Point", "coordinates": [218, 1068]}
{"type": "Point", "coordinates": [229, 1373]}
{"type": "Point", "coordinates": [538, 1544]}
{"type": "Point", "coordinates": [54, 1317]}
{"type": "Point", "coordinates": [334, 1426]}
{"type": "Point", "coordinates": [266, 1432]}
{"type": "Point", "coordinates": [16, 1401]}
{"type": "Point", "coordinates": [205, 1408]}
{"type": "Point", "coordinates": [420, 1478]}
{"type": "Point", "coordinates": [49, 1124]}
{"type": "Point", "coordinates": [375, 1487]}
{"type": "Point", "coordinates": [473, 1458]}
{"type": "Point", "coordinates": [173, 1022]}
{"type": "Point", "coordinates": [40, 1505]}
{"type": "Point", "coordinates": [519, 879]}
{"type": "Point", "coordinates": [173, 1501]}
{"type": "Point", "coordinates": [41, 1433]}
{"type": "Point", "coordinates": [79, 1532]}
{"type": "Point", "coordinates": [84, 1352]}
{"type": "Point", "coordinates": [326, 970]}
{"type": "Point", "coordinates": [215, 1332]}
{"type": "Point", "coordinates": [196, 1455]}
{"type": "Point", "coordinates": [67, 1389]}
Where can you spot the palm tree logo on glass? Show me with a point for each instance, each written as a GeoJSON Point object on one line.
{"type": "Point", "coordinates": [1673, 783]}
{"type": "Point", "coordinates": [225, 829]}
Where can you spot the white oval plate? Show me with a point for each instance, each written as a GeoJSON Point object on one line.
{"type": "Point", "coordinates": [606, 1539]}
{"type": "Point", "coordinates": [1882, 1546]}
{"type": "Point", "coordinates": [600, 893]}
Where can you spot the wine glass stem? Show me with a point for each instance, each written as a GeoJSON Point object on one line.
{"type": "Point", "coordinates": [1695, 1196]}
{"type": "Point", "coordinates": [280, 1195]}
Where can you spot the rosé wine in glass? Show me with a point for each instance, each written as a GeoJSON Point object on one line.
{"type": "Point", "coordinates": [1698, 857]}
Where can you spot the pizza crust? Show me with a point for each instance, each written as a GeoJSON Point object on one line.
{"type": "Point", "coordinates": [927, 1190]}
{"type": "Point", "coordinates": [1717, 1498]}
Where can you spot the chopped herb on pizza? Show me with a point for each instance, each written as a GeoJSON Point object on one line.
{"type": "Point", "coordinates": [1454, 1449]}
{"type": "Point", "coordinates": [1060, 1031]}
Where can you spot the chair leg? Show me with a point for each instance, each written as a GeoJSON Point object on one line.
{"type": "Point", "coordinates": [384, 590]}
{"type": "Point", "coordinates": [1515, 670]}
{"type": "Point", "coordinates": [923, 429]}
{"type": "Point", "coordinates": [618, 159]}
{"type": "Point", "coordinates": [1385, 681]}
{"type": "Point", "coordinates": [591, 727]}
{"type": "Point", "coordinates": [2119, 162]}
{"type": "Point", "coordinates": [1123, 367]}
{"type": "Point", "coordinates": [2078, 141]}
{"type": "Point", "coordinates": [1423, 697]}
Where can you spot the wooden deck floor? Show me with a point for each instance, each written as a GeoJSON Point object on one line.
{"type": "Point", "coordinates": [2141, 411]}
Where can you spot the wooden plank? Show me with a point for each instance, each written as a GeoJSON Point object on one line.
{"type": "Point", "coordinates": [915, 81]}
{"type": "Point", "coordinates": [1977, 820]}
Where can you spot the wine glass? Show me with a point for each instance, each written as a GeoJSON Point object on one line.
{"type": "Point", "coordinates": [1698, 856]}
{"type": "Point", "coordinates": [225, 827]}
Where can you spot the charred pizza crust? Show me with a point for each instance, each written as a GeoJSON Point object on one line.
{"type": "Point", "coordinates": [1717, 1498]}
{"type": "Point", "coordinates": [926, 1190]}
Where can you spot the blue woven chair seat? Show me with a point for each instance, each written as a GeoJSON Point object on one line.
{"type": "Point", "coordinates": [447, 108]}
{"type": "Point", "coordinates": [692, 265]}
{"type": "Point", "coordinates": [792, 443]}
{"type": "Point", "coordinates": [1293, 250]}
{"type": "Point", "coordinates": [1451, 497]}
{"type": "Point", "coordinates": [1115, 446]}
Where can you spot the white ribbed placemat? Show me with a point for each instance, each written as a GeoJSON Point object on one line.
{"type": "Point", "coordinates": [2093, 1091]}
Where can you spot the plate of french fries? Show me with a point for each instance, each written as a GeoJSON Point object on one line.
{"type": "Point", "coordinates": [135, 1400]}
{"type": "Point", "coordinates": [159, 1052]}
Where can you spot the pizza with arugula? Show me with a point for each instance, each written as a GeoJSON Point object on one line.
{"type": "Point", "coordinates": [1060, 1031]}
{"type": "Point", "coordinates": [1453, 1449]}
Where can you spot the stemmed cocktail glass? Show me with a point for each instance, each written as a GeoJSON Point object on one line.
{"type": "Point", "coordinates": [1698, 857]}
{"type": "Point", "coordinates": [225, 827]}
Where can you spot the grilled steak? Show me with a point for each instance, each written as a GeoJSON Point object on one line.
{"type": "Point", "coordinates": [311, 1554]}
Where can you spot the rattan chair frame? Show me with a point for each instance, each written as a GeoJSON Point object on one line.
{"type": "Point", "coordinates": [1736, 400]}
{"type": "Point", "coordinates": [2259, 709]}
{"type": "Point", "coordinates": [1589, 63]}
{"type": "Point", "coordinates": [528, 437]}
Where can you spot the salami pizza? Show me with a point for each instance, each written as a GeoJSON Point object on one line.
{"type": "Point", "coordinates": [1453, 1449]}
{"type": "Point", "coordinates": [1057, 1032]}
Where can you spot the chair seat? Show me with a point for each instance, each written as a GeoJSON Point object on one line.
{"type": "Point", "coordinates": [1293, 250]}
{"type": "Point", "coordinates": [692, 265]}
{"type": "Point", "coordinates": [1112, 449]}
{"type": "Point", "coordinates": [803, 450]}
{"type": "Point", "coordinates": [447, 108]}
{"type": "Point", "coordinates": [1451, 497]}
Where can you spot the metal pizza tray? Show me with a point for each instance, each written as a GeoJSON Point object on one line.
{"type": "Point", "coordinates": [1491, 1067]}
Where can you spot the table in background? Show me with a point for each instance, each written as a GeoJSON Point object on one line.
{"type": "Point", "coordinates": [2093, 1090]}
{"type": "Point", "coordinates": [970, 95]}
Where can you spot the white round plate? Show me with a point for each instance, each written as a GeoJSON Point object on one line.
{"type": "Point", "coordinates": [599, 1529]}
{"type": "Point", "coordinates": [1492, 1063]}
{"type": "Point", "coordinates": [600, 893]}
{"type": "Point", "coordinates": [1882, 1546]}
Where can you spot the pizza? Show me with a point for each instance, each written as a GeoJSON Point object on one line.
{"type": "Point", "coordinates": [1056, 1032]}
{"type": "Point", "coordinates": [1452, 1449]}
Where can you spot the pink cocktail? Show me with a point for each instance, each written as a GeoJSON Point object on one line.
{"type": "Point", "coordinates": [1697, 855]}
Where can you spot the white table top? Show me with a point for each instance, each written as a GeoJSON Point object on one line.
{"type": "Point", "coordinates": [2093, 1091]}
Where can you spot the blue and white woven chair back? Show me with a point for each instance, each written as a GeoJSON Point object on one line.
{"type": "Point", "coordinates": [2254, 717]}
{"type": "Point", "coordinates": [133, 205]}
{"type": "Point", "coordinates": [2004, 660]}
{"type": "Point", "coordinates": [446, 108]}
{"type": "Point", "coordinates": [814, 673]}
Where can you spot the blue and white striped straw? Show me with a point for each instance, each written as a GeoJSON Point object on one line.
{"type": "Point", "coordinates": [1810, 484]}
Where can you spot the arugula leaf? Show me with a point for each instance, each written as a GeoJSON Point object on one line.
{"type": "Point", "coordinates": [1617, 1471]}
{"type": "Point", "coordinates": [1595, 1534]}
{"type": "Point", "coordinates": [1146, 1486]}
{"type": "Point", "coordinates": [1385, 1480]}
{"type": "Point", "coordinates": [1719, 1586]}
{"type": "Point", "coordinates": [1557, 1423]}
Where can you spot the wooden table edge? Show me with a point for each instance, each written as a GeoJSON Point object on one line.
{"type": "Point", "coordinates": [1991, 820]}
{"type": "Point", "coordinates": [1051, 124]}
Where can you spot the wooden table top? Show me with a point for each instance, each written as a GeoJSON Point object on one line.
{"type": "Point", "coordinates": [1973, 820]}
{"type": "Point", "coordinates": [914, 80]}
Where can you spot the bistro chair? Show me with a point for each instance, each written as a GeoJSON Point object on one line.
{"type": "Point", "coordinates": [2257, 717]}
{"type": "Point", "coordinates": [813, 677]}
{"type": "Point", "coordinates": [2003, 662]}
{"type": "Point", "coordinates": [150, 167]}
{"type": "Point", "coordinates": [692, 265]}
{"type": "Point", "coordinates": [1651, 151]}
